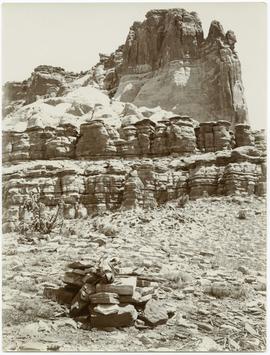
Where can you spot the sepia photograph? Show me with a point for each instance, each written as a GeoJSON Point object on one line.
{"type": "Point", "coordinates": [134, 182]}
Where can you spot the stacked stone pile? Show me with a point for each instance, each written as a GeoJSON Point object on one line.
{"type": "Point", "coordinates": [105, 296]}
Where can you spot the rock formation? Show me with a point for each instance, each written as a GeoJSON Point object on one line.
{"type": "Point", "coordinates": [243, 135]}
{"type": "Point", "coordinates": [166, 61]}
{"type": "Point", "coordinates": [45, 81]}
{"type": "Point", "coordinates": [179, 129]}
{"type": "Point", "coordinates": [96, 139]}
{"type": "Point", "coordinates": [96, 186]}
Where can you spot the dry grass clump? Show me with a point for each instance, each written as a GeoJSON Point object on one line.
{"type": "Point", "coordinates": [222, 290]}
{"type": "Point", "coordinates": [242, 214]}
{"type": "Point", "coordinates": [29, 310]}
{"type": "Point", "coordinates": [177, 279]}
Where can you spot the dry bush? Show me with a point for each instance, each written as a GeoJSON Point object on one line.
{"type": "Point", "coordinates": [242, 214]}
{"type": "Point", "coordinates": [183, 200]}
{"type": "Point", "coordinates": [34, 218]}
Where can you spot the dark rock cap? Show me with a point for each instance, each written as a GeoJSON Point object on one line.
{"type": "Point", "coordinates": [145, 122]}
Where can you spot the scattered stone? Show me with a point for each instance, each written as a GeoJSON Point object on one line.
{"type": "Point", "coordinates": [208, 345]}
{"type": "Point", "coordinates": [154, 313]}
{"type": "Point", "coordinates": [61, 295]}
{"type": "Point", "coordinates": [243, 269]}
{"type": "Point", "coordinates": [205, 326]}
{"type": "Point", "coordinates": [111, 301]}
{"type": "Point", "coordinates": [106, 309]}
{"type": "Point", "coordinates": [74, 278]}
{"type": "Point", "coordinates": [140, 324]}
{"type": "Point", "coordinates": [250, 279]}
{"type": "Point", "coordinates": [66, 322]}
{"type": "Point", "coordinates": [250, 330]}
{"type": "Point", "coordinates": [33, 346]}
{"type": "Point", "coordinates": [206, 253]}
{"type": "Point", "coordinates": [188, 290]}
{"type": "Point", "coordinates": [123, 317]}
{"type": "Point", "coordinates": [78, 306]}
{"type": "Point", "coordinates": [87, 291]}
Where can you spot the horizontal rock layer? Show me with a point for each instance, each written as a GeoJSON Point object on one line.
{"type": "Point", "coordinates": [98, 140]}
{"type": "Point", "coordinates": [88, 187]}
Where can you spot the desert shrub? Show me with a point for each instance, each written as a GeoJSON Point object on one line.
{"type": "Point", "coordinates": [242, 214]}
{"type": "Point", "coordinates": [33, 216]}
{"type": "Point", "coordinates": [183, 200]}
{"type": "Point", "coordinates": [222, 290]}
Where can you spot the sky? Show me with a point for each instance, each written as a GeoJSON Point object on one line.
{"type": "Point", "coordinates": [72, 36]}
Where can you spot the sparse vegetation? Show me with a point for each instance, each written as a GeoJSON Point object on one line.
{"type": "Point", "coordinates": [34, 216]}
{"type": "Point", "coordinates": [242, 214]}
{"type": "Point", "coordinates": [183, 259]}
{"type": "Point", "coordinates": [183, 200]}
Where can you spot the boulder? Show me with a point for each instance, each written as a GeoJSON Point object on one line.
{"type": "Point", "coordinates": [155, 313]}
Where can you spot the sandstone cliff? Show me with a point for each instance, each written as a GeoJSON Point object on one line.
{"type": "Point", "coordinates": [167, 62]}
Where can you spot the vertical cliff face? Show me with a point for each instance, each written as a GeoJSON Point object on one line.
{"type": "Point", "coordinates": [167, 62]}
{"type": "Point", "coordinates": [163, 37]}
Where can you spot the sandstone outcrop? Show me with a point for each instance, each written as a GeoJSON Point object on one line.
{"type": "Point", "coordinates": [243, 135]}
{"type": "Point", "coordinates": [14, 94]}
{"type": "Point", "coordinates": [40, 143]}
{"type": "Point", "coordinates": [96, 139]}
{"type": "Point", "coordinates": [88, 187]}
{"type": "Point", "coordinates": [45, 81]}
{"type": "Point", "coordinates": [166, 61]}
{"type": "Point", "coordinates": [214, 136]}
{"type": "Point", "coordinates": [260, 140]}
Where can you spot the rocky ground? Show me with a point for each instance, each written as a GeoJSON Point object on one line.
{"type": "Point", "coordinates": [211, 256]}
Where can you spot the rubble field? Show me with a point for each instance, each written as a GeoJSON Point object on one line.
{"type": "Point", "coordinates": [208, 259]}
